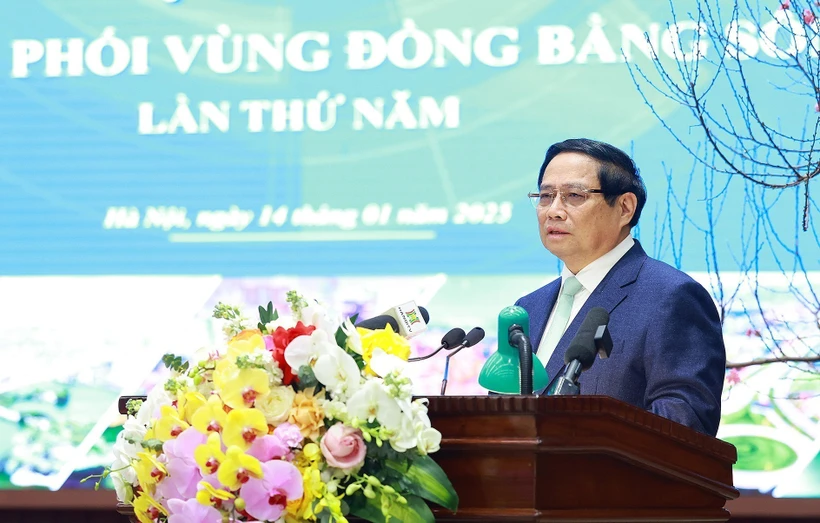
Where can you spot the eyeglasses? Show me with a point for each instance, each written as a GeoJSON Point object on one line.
{"type": "Point", "coordinates": [573, 196]}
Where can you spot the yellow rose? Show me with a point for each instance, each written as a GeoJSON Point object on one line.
{"type": "Point", "coordinates": [307, 414]}
{"type": "Point", "coordinates": [276, 404]}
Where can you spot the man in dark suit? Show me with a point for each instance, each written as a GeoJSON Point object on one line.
{"type": "Point", "coordinates": [668, 355]}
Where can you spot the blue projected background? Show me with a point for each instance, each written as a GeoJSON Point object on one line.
{"type": "Point", "coordinates": [157, 157]}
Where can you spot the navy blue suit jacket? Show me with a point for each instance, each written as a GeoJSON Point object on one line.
{"type": "Point", "coordinates": [668, 355]}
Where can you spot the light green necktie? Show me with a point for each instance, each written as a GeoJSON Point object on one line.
{"type": "Point", "coordinates": [563, 308]}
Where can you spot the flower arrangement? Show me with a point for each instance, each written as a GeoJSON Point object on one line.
{"type": "Point", "coordinates": [298, 418]}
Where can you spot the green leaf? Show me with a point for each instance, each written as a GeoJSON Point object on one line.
{"type": "Point", "coordinates": [341, 337]}
{"type": "Point", "coordinates": [426, 479]}
{"type": "Point", "coordinates": [415, 511]}
{"type": "Point", "coordinates": [263, 315]}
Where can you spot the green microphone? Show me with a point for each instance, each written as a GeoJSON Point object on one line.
{"type": "Point", "coordinates": [502, 371]}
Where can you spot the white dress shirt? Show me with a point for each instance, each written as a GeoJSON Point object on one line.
{"type": "Point", "coordinates": [590, 276]}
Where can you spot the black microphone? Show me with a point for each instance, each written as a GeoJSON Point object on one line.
{"type": "Point", "coordinates": [473, 337]}
{"type": "Point", "coordinates": [453, 338]}
{"type": "Point", "coordinates": [401, 318]}
{"type": "Point", "coordinates": [379, 322]}
{"type": "Point", "coordinates": [591, 337]}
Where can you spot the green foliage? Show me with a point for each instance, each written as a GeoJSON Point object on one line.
{"type": "Point", "coordinates": [175, 363]}
{"type": "Point", "coordinates": [415, 510]}
{"type": "Point", "coordinates": [267, 315]}
{"type": "Point", "coordinates": [306, 378]}
{"type": "Point", "coordinates": [423, 477]}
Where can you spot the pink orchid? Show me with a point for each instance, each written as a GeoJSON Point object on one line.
{"type": "Point", "coordinates": [289, 434]}
{"type": "Point", "coordinates": [808, 16]}
{"type": "Point", "coordinates": [182, 447]}
{"type": "Point", "coordinates": [181, 481]}
{"type": "Point", "coordinates": [191, 511]}
{"type": "Point", "coordinates": [267, 448]}
{"type": "Point", "coordinates": [267, 498]}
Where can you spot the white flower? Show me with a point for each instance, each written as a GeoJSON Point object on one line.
{"type": "Point", "coordinates": [286, 322]}
{"type": "Point", "coordinates": [132, 430]}
{"type": "Point", "coordinates": [405, 438]}
{"type": "Point", "coordinates": [157, 397]}
{"type": "Point", "coordinates": [125, 492]}
{"type": "Point", "coordinates": [338, 372]}
{"type": "Point", "coordinates": [372, 403]}
{"type": "Point", "coordinates": [336, 409]}
{"type": "Point", "coordinates": [316, 314]}
{"type": "Point", "coordinates": [383, 363]}
{"type": "Point", "coordinates": [354, 339]}
{"type": "Point", "coordinates": [305, 350]}
{"type": "Point", "coordinates": [429, 441]}
{"type": "Point", "coordinates": [276, 404]}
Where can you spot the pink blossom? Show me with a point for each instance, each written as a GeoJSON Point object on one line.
{"type": "Point", "coordinates": [289, 434]}
{"type": "Point", "coordinates": [733, 377]}
{"type": "Point", "coordinates": [268, 447]}
{"type": "Point", "coordinates": [181, 481]}
{"type": "Point", "coordinates": [808, 16]}
{"type": "Point", "coordinates": [182, 447]}
{"type": "Point", "coordinates": [343, 447]}
{"type": "Point", "coordinates": [267, 498]}
{"type": "Point", "coordinates": [192, 511]}
{"type": "Point", "coordinates": [785, 4]}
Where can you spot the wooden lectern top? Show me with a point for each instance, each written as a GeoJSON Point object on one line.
{"type": "Point", "coordinates": [577, 458]}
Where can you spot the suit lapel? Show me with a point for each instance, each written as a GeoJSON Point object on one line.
{"type": "Point", "coordinates": [612, 290]}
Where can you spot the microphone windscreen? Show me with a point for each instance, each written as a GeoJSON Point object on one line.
{"type": "Point", "coordinates": [424, 314]}
{"type": "Point", "coordinates": [582, 347]}
{"type": "Point", "coordinates": [379, 322]}
{"type": "Point", "coordinates": [453, 337]}
{"type": "Point", "coordinates": [474, 336]}
{"type": "Point", "coordinates": [585, 354]}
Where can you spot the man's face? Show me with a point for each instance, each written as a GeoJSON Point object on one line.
{"type": "Point", "coordinates": [581, 234]}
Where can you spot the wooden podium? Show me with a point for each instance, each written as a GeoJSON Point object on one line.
{"type": "Point", "coordinates": [575, 459]}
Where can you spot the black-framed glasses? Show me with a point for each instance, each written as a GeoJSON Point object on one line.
{"type": "Point", "coordinates": [571, 196]}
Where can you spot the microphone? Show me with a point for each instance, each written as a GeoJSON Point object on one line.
{"type": "Point", "coordinates": [473, 337]}
{"type": "Point", "coordinates": [453, 338]}
{"type": "Point", "coordinates": [406, 319]}
{"type": "Point", "coordinates": [592, 338]}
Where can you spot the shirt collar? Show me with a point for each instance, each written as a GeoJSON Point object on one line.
{"type": "Point", "coordinates": [594, 273]}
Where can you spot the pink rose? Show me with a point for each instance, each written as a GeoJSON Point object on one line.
{"type": "Point", "coordinates": [343, 447]}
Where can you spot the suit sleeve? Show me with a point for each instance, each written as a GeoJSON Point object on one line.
{"type": "Point", "coordinates": [685, 359]}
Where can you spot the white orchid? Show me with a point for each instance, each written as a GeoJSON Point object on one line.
{"type": "Point", "coordinates": [149, 410]}
{"type": "Point", "coordinates": [306, 350]}
{"type": "Point", "coordinates": [354, 339]}
{"type": "Point", "coordinates": [338, 372]}
{"type": "Point", "coordinates": [372, 403]}
{"type": "Point", "coordinates": [383, 363]}
{"type": "Point", "coordinates": [316, 314]}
